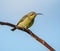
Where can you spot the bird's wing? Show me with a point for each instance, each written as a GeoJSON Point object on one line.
{"type": "Point", "coordinates": [22, 19]}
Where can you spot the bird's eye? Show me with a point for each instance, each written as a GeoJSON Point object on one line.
{"type": "Point", "coordinates": [32, 14]}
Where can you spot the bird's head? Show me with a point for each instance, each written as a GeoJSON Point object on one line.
{"type": "Point", "coordinates": [33, 14]}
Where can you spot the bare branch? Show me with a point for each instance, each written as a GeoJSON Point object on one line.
{"type": "Point", "coordinates": [30, 33]}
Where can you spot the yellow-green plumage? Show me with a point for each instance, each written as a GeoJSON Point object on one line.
{"type": "Point", "coordinates": [26, 23]}
{"type": "Point", "coordinates": [27, 20]}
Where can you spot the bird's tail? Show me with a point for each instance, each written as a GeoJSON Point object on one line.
{"type": "Point", "coordinates": [13, 29]}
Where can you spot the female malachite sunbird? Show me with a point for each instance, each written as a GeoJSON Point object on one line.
{"type": "Point", "coordinates": [27, 20]}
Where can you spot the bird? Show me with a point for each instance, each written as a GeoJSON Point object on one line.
{"type": "Point", "coordinates": [27, 20]}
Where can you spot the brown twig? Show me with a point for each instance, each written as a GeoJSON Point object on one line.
{"type": "Point", "coordinates": [30, 33]}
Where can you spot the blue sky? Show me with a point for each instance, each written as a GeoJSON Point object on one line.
{"type": "Point", "coordinates": [46, 26]}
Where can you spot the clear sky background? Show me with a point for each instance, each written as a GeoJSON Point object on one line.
{"type": "Point", "coordinates": [46, 26]}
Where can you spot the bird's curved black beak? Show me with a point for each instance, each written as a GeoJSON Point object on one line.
{"type": "Point", "coordinates": [39, 14]}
